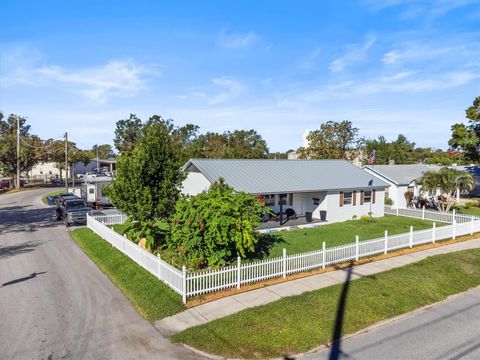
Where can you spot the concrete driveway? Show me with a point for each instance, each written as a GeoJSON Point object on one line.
{"type": "Point", "coordinates": [55, 303]}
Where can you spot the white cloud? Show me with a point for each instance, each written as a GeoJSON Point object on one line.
{"type": "Point", "coordinates": [353, 54]}
{"type": "Point", "coordinates": [237, 40]}
{"type": "Point", "coordinates": [231, 90]}
{"type": "Point", "coordinates": [117, 78]}
{"type": "Point", "coordinates": [420, 51]}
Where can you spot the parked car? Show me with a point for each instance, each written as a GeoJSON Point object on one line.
{"type": "Point", "coordinates": [73, 211]}
{"type": "Point", "coordinates": [54, 200]}
{"type": "Point", "coordinates": [5, 184]}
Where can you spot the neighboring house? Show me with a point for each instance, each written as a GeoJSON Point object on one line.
{"type": "Point", "coordinates": [45, 170]}
{"type": "Point", "coordinates": [105, 165]}
{"type": "Point", "coordinates": [401, 178]}
{"type": "Point", "coordinates": [336, 189]}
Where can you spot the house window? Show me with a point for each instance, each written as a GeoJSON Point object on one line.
{"type": "Point", "coordinates": [367, 196]}
{"type": "Point", "coordinates": [387, 193]}
{"type": "Point", "coordinates": [285, 199]}
{"type": "Point", "coordinates": [269, 199]}
{"type": "Point", "coordinates": [347, 198]}
{"type": "Point", "coordinates": [91, 191]}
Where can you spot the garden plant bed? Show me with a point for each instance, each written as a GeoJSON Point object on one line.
{"type": "Point", "coordinates": [299, 323]}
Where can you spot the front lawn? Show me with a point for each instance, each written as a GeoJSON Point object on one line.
{"type": "Point", "coordinates": [151, 297]}
{"type": "Point", "coordinates": [301, 240]}
{"type": "Point", "coordinates": [300, 323]}
{"type": "Point", "coordinates": [468, 210]}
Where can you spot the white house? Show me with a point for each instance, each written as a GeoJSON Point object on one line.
{"type": "Point", "coordinates": [332, 190]}
{"type": "Point", "coordinates": [401, 178]}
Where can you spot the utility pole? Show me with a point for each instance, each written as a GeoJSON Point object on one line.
{"type": "Point", "coordinates": [66, 162]}
{"type": "Point", "coordinates": [18, 153]}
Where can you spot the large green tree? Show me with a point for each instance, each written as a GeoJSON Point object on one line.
{"type": "Point", "coordinates": [215, 227]}
{"type": "Point", "coordinates": [400, 151]}
{"type": "Point", "coordinates": [237, 144]}
{"type": "Point", "coordinates": [54, 151]}
{"type": "Point", "coordinates": [29, 146]}
{"type": "Point", "coordinates": [127, 132]}
{"type": "Point", "coordinates": [466, 137]}
{"type": "Point", "coordinates": [148, 175]}
{"type": "Point", "coordinates": [334, 140]}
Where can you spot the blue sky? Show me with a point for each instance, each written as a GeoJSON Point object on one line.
{"type": "Point", "coordinates": [280, 67]}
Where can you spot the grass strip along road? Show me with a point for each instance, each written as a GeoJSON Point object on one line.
{"type": "Point", "coordinates": [152, 298]}
{"type": "Point", "coordinates": [300, 323]}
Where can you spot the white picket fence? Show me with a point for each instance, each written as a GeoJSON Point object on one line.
{"type": "Point", "coordinates": [193, 283]}
{"type": "Point", "coordinates": [431, 215]}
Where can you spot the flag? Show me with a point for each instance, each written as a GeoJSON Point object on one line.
{"type": "Point", "coordinates": [371, 158]}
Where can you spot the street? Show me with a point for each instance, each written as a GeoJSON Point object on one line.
{"type": "Point", "coordinates": [449, 330]}
{"type": "Point", "coordinates": [55, 303]}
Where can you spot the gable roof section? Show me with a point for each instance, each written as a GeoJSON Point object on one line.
{"type": "Point", "coordinates": [284, 176]}
{"type": "Point", "coordinates": [402, 174]}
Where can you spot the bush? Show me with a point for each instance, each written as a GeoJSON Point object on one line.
{"type": "Point", "coordinates": [469, 205]}
{"type": "Point", "coordinates": [388, 201]}
{"type": "Point", "coordinates": [367, 218]}
{"type": "Point", "coordinates": [213, 228]}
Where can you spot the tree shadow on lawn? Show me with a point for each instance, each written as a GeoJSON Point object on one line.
{"type": "Point", "coordinates": [265, 244]}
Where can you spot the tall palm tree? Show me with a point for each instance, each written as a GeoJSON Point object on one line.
{"type": "Point", "coordinates": [448, 181]}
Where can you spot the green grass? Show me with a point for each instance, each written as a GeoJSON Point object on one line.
{"type": "Point", "coordinates": [300, 323]}
{"type": "Point", "coordinates": [468, 211]}
{"type": "Point", "coordinates": [53, 193]}
{"type": "Point", "coordinates": [152, 298]}
{"type": "Point", "coordinates": [302, 240]}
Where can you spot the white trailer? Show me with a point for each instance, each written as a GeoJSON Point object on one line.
{"type": "Point", "coordinates": [92, 191]}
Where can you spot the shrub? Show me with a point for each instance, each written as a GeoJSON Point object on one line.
{"type": "Point", "coordinates": [469, 205]}
{"type": "Point", "coordinates": [213, 228]}
{"type": "Point", "coordinates": [367, 218]}
{"type": "Point", "coordinates": [388, 201]}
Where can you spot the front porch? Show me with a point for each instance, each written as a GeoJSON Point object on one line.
{"type": "Point", "coordinates": [290, 224]}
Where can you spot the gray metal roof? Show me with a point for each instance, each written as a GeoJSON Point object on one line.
{"type": "Point", "coordinates": [284, 176]}
{"type": "Point", "coordinates": [403, 174]}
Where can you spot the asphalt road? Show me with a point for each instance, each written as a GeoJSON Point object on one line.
{"type": "Point", "coordinates": [449, 330]}
{"type": "Point", "coordinates": [55, 303]}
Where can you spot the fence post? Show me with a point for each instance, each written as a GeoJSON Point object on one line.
{"type": "Point", "coordinates": [357, 239]}
{"type": "Point", "coordinates": [433, 233]}
{"type": "Point", "coordinates": [471, 226]}
{"type": "Point", "coordinates": [184, 284]}
{"type": "Point", "coordinates": [323, 255]}
{"type": "Point", "coordinates": [159, 271]}
{"type": "Point", "coordinates": [239, 273]}
{"type": "Point", "coordinates": [284, 263]}
{"type": "Point", "coordinates": [123, 243]}
{"type": "Point", "coordinates": [397, 210]}
{"type": "Point", "coordinates": [386, 242]}
{"type": "Point", "coordinates": [423, 212]}
{"type": "Point", "coordinates": [454, 229]}
{"type": "Point", "coordinates": [453, 216]}
{"type": "Point", "coordinates": [410, 238]}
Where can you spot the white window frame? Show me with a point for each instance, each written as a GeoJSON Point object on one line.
{"type": "Point", "coordinates": [367, 199]}
{"type": "Point", "coordinates": [345, 203]}
{"type": "Point", "coordinates": [269, 199]}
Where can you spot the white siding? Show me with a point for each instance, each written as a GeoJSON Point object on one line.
{"type": "Point", "coordinates": [336, 213]}
{"type": "Point", "coordinates": [195, 183]}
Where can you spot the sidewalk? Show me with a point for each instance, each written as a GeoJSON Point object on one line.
{"type": "Point", "coordinates": [230, 305]}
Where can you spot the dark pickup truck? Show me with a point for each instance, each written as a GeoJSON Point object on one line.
{"type": "Point", "coordinates": [73, 211]}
